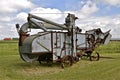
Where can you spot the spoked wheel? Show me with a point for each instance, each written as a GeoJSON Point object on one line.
{"type": "Point", "coordinates": [94, 56]}
{"type": "Point", "coordinates": [66, 61]}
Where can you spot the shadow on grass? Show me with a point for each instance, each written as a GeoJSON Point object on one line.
{"type": "Point", "coordinates": [37, 64]}
{"type": "Point", "coordinates": [103, 57]}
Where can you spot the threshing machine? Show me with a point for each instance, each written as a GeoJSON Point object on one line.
{"type": "Point", "coordinates": [63, 43]}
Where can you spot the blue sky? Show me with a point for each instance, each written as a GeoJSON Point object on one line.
{"type": "Point", "coordinates": [104, 14]}
{"type": "Point", "coordinates": [63, 5]}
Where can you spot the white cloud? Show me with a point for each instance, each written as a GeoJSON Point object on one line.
{"type": "Point", "coordinates": [89, 8]}
{"type": "Point", "coordinates": [105, 23]}
{"type": "Point", "coordinates": [82, 2]}
{"type": "Point", "coordinates": [8, 30]}
{"type": "Point", "coordinates": [110, 2]}
{"type": "Point", "coordinates": [10, 6]}
{"type": "Point", "coordinates": [7, 22]}
{"type": "Point", "coordinates": [86, 19]}
{"type": "Point", "coordinates": [5, 18]}
{"type": "Point", "coordinates": [22, 17]}
{"type": "Point", "coordinates": [48, 13]}
{"type": "Point", "coordinates": [56, 15]}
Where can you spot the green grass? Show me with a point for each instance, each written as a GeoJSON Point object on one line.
{"type": "Point", "coordinates": [8, 48]}
{"type": "Point", "coordinates": [12, 67]}
{"type": "Point", "coordinates": [112, 47]}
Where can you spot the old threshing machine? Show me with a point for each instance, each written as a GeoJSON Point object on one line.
{"type": "Point", "coordinates": [63, 43]}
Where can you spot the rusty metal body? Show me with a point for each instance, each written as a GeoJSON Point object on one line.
{"type": "Point", "coordinates": [59, 45]}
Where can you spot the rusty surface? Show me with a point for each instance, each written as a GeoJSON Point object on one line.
{"type": "Point", "coordinates": [22, 37]}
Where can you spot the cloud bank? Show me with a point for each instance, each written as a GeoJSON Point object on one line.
{"type": "Point", "coordinates": [10, 6]}
{"type": "Point", "coordinates": [13, 12]}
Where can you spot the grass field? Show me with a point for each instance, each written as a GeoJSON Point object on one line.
{"type": "Point", "coordinates": [12, 67]}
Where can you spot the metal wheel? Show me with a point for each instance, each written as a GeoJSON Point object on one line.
{"type": "Point", "coordinates": [94, 56]}
{"type": "Point", "coordinates": [66, 61]}
{"type": "Point", "coordinates": [27, 57]}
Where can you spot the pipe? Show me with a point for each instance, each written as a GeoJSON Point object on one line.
{"type": "Point", "coordinates": [47, 21]}
{"type": "Point", "coordinates": [37, 24]}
